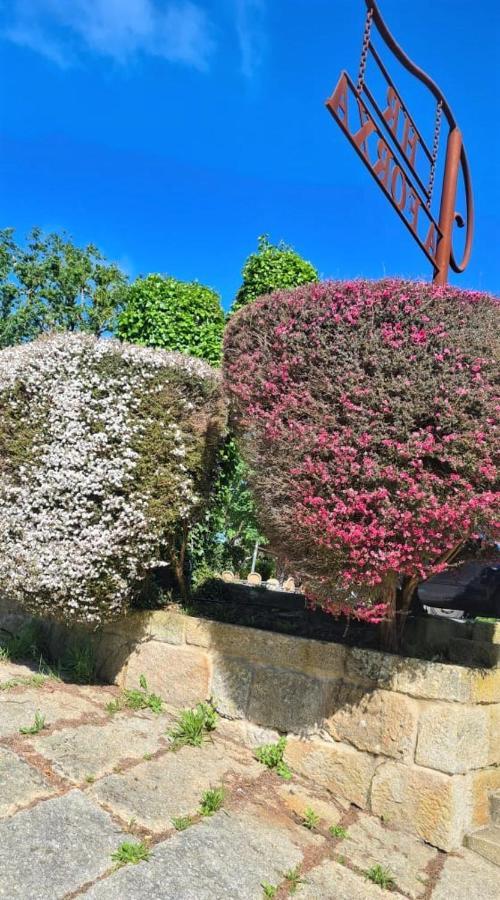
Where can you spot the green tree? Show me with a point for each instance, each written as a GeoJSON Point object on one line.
{"type": "Point", "coordinates": [224, 538]}
{"type": "Point", "coordinates": [50, 284]}
{"type": "Point", "coordinates": [175, 315]}
{"type": "Point", "coordinates": [273, 266]}
{"type": "Point", "coordinates": [227, 537]}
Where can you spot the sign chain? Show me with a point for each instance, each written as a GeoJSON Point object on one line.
{"type": "Point", "coordinates": [364, 50]}
{"type": "Point", "coordinates": [435, 146]}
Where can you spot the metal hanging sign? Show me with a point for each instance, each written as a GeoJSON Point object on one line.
{"type": "Point", "coordinates": [384, 134]}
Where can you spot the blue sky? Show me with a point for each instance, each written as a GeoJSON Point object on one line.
{"type": "Point", "coordinates": [172, 133]}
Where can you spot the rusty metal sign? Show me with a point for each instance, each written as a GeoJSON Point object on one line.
{"type": "Point", "coordinates": [378, 124]}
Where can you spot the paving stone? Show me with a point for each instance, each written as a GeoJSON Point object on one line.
{"type": "Point", "coordinates": [51, 850]}
{"type": "Point", "coordinates": [10, 671]}
{"type": "Point", "coordinates": [20, 783]}
{"type": "Point", "coordinates": [468, 877]}
{"type": "Point", "coordinates": [96, 749]}
{"type": "Point", "coordinates": [299, 798]}
{"type": "Point", "coordinates": [228, 856]}
{"type": "Point", "coordinates": [332, 881]}
{"type": "Point", "coordinates": [18, 708]}
{"type": "Point", "coordinates": [155, 792]}
{"type": "Point", "coordinates": [369, 843]}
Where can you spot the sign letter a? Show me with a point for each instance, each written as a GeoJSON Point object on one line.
{"type": "Point", "coordinates": [337, 103]}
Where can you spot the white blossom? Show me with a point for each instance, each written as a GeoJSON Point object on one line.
{"type": "Point", "coordinates": [76, 532]}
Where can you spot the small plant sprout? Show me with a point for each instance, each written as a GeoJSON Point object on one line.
{"type": "Point", "coordinates": [193, 725]}
{"type": "Point", "coordinates": [338, 831]}
{"type": "Point", "coordinates": [90, 779]}
{"type": "Point", "coordinates": [271, 755]}
{"type": "Point", "coordinates": [310, 819]}
{"type": "Point", "coordinates": [24, 680]}
{"type": "Point", "coordinates": [212, 801]}
{"type": "Point", "coordinates": [4, 654]}
{"type": "Point", "coordinates": [269, 890]}
{"type": "Point", "coordinates": [131, 853]}
{"type": "Point", "coordinates": [294, 878]}
{"type": "Point", "coordinates": [38, 724]}
{"type": "Point", "coordinates": [180, 823]}
{"type": "Point", "coordinates": [382, 876]}
{"type": "Point", "coordinates": [79, 662]}
{"type": "Point", "coordinates": [136, 698]}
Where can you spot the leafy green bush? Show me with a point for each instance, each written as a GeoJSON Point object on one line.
{"type": "Point", "coordinates": [174, 315]}
{"type": "Point", "coordinates": [270, 268]}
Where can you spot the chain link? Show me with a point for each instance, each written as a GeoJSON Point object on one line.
{"type": "Point", "coordinates": [435, 147]}
{"type": "Point", "coordinates": [364, 50]}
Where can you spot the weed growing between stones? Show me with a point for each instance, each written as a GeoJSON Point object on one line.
{"type": "Point", "coordinates": [180, 823]}
{"type": "Point", "coordinates": [79, 662]}
{"type": "Point", "coordinates": [38, 725]}
{"type": "Point", "coordinates": [382, 876]}
{"type": "Point", "coordinates": [193, 725]}
{"type": "Point", "coordinates": [212, 801]}
{"type": "Point", "coordinates": [131, 853]}
{"type": "Point", "coordinates": [36, 680]}
{"type": "Point", "coordinates": [310, 819]}
{"type": "Point", "coordinates": [337, 831]}
{"type": "Point", "coordinates": [270, 890]}
{"type": "Point", "coordinates": [136, 698]}
{"type": "Point", "coordinates": [271, 755]}
{"type": "Point", "coordinates": [27, 644]}
{"type": "Point", "coordinates": [294, 879]}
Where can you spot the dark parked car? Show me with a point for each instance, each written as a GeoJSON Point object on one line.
{"type": "Point", "coordinates": [469, 590]}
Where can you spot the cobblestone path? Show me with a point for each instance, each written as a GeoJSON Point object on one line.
{"type": "Point", "coordinates": [88, 782]}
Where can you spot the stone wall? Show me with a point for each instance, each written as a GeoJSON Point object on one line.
{"type": "Point", "coordinates": [415, 742]}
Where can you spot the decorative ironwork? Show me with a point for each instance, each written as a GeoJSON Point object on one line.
{"type": "Point", "coordinates": [388, 141]}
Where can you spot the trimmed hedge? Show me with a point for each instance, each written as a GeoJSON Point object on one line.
{"type": "Point", "coordinates": [174, 315]}
{"type": "Point", "coordinates": [367, 413]}
{"type": "Point", "coordinates": [105, 455]}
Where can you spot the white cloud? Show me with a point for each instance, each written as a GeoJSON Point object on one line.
{"type": "Point", "coordinates": [62, 30]}
{"type": "Point", "coordinates": [252, 34]}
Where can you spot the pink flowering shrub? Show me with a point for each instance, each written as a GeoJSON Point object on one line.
{"type": "Point", "coordinates": [367, 413]}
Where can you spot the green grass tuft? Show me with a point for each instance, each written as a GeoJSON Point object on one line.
{"type": "Point", "coordinates": [310, 819]}
{"type": "Point", "coordinates": [382, 876]}
{"type": "Point", "coordinates": [136, 698]}
{"type": "Point", "coordinates": [294, 878]}
{"type": "Point", "coordinates": [338, 831]}
{"type": "Point", "coordinates": [193, 725]}
{"type": "Point", "coordinates": [131, 853]}
{"type": "Point", "coordinates": [180, 823]}
{"type": "Point", "coordinates": [212, 801]}
{"type": "Point", "coordinates": [38, 725]}
{"type": "Point", "coordinates": [271, 755]}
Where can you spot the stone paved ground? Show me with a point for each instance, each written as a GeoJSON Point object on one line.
{"type": "Point", "coordinates": [90, 781]}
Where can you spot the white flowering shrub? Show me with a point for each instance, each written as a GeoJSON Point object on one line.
{"type": "Point", "coordinates": [105, 452]}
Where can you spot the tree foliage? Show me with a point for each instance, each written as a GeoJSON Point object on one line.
{"type": "Point", "coordinates": [270, 268]}
{"type": "Point", "coordinates": [106, 453]}
{"type": "Point", "coordinates": [51, 284]}
{"type": "Point", "coordinates": [175, 315]}
{"type": "Point", "coordinates": [366, 412]}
